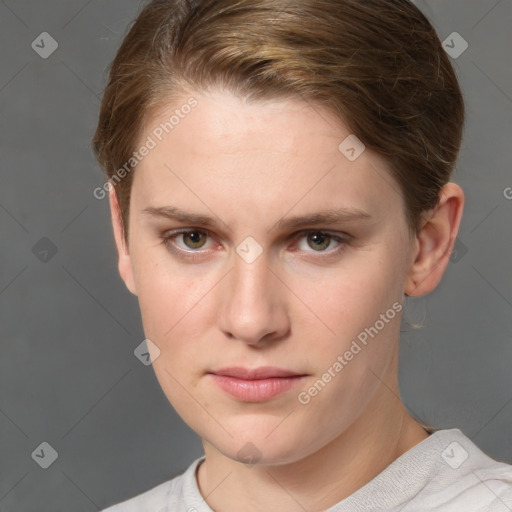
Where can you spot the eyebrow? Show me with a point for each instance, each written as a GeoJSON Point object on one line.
{"type": "Point", "coordinates": [325, 217]}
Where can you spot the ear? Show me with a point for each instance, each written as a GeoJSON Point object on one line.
{"type": "Point", "coordinates": [434, 242]}
{"type": "Point", "coordinates": [124, 264]}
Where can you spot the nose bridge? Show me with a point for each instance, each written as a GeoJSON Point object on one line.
{"type": "Point", "coordinates": [249, 280]}
{"type": "Point", "coordinates": [252, 303]}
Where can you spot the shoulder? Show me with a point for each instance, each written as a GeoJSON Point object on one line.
{"type": "Point", "coordinates": [445, 472]}
{"type": "Point", "coordinates": [466, 478]}
{"type": "Point", "coordinates": [154, 499]}
{"type": "Point", "coordinates": [160, 497]}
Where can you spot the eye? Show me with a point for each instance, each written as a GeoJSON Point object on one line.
{"type": "Point", "coordinates": [186, 240]}
{"type": "Point", "coordinates": [193, 243]}
{"type": "Point", "coordinates": [194, 239]}
{"type": "Point", "coordinates": [319, 241]}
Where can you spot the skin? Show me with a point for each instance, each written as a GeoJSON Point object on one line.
{"type": "Point", "coordinates": [249, 166]}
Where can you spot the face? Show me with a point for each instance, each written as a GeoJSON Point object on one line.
{"type": "Point", "coordinates": [291, 256]}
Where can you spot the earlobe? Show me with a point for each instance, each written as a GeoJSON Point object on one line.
{"type": "Point", "coordinates": [435, 241]}
{"type": "Point", "coordinates": [124, 258]}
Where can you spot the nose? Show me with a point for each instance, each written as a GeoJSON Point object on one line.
{"type": "Point", "coordinates": [253, 306]}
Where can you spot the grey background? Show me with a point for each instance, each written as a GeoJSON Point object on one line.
{"type": "Point", "coordinates": [69, 326]}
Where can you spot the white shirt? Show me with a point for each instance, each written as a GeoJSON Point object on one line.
{"type": "Point", "coordinates": [445, 472]}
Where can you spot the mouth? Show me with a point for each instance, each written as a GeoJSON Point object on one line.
{"type": "Point", "coordinates": [257, 384]}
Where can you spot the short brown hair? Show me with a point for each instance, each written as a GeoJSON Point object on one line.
{"type": "Point", "coordinates": [377, 64]}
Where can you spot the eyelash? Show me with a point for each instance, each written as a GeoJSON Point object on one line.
{"type": "Point", "coordinates": [167, 241]}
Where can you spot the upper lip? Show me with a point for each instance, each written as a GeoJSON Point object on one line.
{"type": "Point", "coordinates": [263, 372]}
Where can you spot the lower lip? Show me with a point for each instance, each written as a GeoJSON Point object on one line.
{"type": "Point", "coordinates": [257, 390]}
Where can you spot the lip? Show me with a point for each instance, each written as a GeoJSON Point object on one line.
{"type": "Point", "coordinates": [262, 372]}
{"type": "Point", "coordinates": [257, 384]}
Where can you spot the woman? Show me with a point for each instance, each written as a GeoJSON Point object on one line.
{"type": "Point", "coordinates": [279, 181]}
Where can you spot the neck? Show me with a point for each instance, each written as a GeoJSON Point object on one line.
{"type": "Point", "coordinates": [378, 437]}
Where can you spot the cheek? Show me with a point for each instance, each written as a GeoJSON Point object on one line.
{"type": "Point", "coordinates": [174, 310]}
{"type": "Point", "coordinates": [178, 313]}
{"type": "Point", "coordinates": [361, 305]}
{"type": "Point", "coordinates": [345, 300]}
{"type": "Point", "coordinates": [167, 293]}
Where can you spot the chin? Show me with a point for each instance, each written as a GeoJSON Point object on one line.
{"type": "Point", "coordinates": [255, 446]}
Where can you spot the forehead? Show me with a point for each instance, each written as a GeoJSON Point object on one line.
{"type": "Point", "coordinates": [265, 156]}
